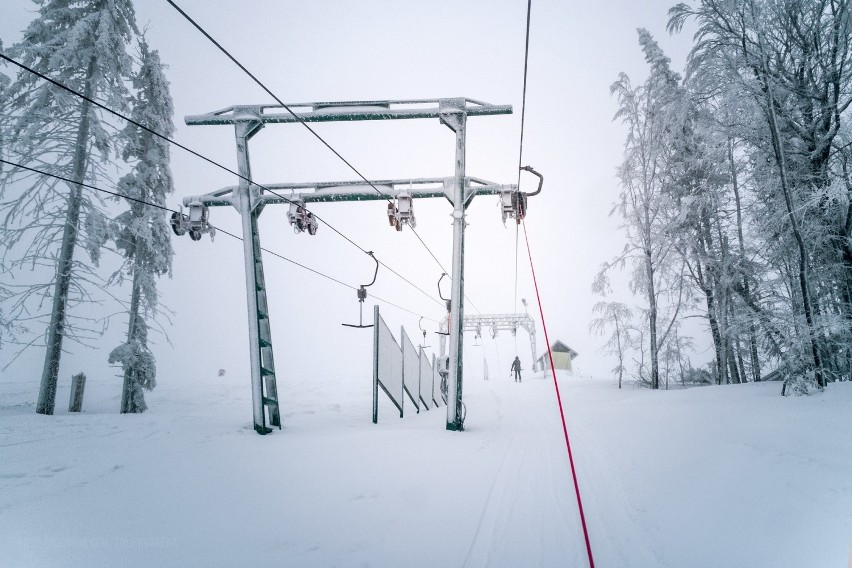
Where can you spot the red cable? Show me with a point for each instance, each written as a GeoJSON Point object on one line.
{"type": "Point", "coordinates": [561, 412]}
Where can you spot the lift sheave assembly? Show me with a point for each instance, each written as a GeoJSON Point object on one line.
{"type": "Point", "coordinates": [195, 223]}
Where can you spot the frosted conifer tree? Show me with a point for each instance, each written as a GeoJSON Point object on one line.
{"type": "Point", "coordinates": [142, 233]}
{"type": "Point", "coordinates": [81, 45]}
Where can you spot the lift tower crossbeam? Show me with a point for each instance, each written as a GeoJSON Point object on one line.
{"type": "Point", "coordinates": [250, 198]}
{"type": "Point", "coordinates": [358, 190]}
{"type": "Point", "coordinates": [349, 111]}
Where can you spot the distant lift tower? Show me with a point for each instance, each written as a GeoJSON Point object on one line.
{"type": "Point", "coordinates": [496, 323]}
{"type": "Point", "coordinates": [250, 199]}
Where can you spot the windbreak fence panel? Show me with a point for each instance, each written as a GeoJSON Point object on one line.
{"type": "Point", "coordinates": [410, 370]}
{"type": "Point", "coordinates": [402, 370]}
{"type": "Point", "coordinates": [389, 367]}
{"type": "Point", "coordinates": [425, 381]}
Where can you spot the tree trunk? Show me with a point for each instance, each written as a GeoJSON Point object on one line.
{"type": "Point", "coordinates": [752, 330]}
{"type": "Point", "coordinates": [652, 321]}
{"type": "Point", "coordinates": [56, 331]}
{"type": "Point", "coordinates": [797, 235]}
{"type": "Point", "coordinates": [710, 299]}
{"type": "Point", "coordinates": [714, 326]}
{"type": "Point", "coordinates": [740, 360]}
{"type": "Point", "coordinates": [724, 294]}
{"type": "Point", "coordinates": [732, 363]}
{"type": "Point", "coordinates": [620, 353]}
{"type": "Point", "coordinates": [132, 396]}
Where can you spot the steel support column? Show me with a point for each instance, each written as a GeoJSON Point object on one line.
{"type": "Point", "coordinates": [246, 196]}
{"type": "Point", "coordinates": [457, 121]}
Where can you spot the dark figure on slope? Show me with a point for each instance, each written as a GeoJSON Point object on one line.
{"type": "Point", "coordinates": [516, 368]}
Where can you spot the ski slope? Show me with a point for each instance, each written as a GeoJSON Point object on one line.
{"type": "Point", "coordinates": [719, 476]}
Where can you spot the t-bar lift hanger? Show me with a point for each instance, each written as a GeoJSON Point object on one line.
{"type": "Point", "coordinates": [362, 295]}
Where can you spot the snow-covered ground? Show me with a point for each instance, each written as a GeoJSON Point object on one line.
{"type": "Point", "coordinates": [713, 477]}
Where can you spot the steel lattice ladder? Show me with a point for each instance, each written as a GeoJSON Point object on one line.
{"type": "Point", "coordinates": [269, 388]}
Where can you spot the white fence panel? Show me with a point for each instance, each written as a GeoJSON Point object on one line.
{"type": "Point", "coordinates": [410, 369]}
{"type": "Point", "coordinates": [425, 381]}
{"type": "Point", "coordinates": [401, 370]}
{"type": "Point", "coordinates": [389, 371]}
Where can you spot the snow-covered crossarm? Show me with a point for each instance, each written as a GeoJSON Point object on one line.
{"type": "Point", "coordinates": [348, 111]}
{"type": "Point", "coordinates": [335, 191]}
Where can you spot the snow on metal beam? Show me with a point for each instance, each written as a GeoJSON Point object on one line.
{"type": "Point", "coordinates": [324, 192]}
{"type": "Point", "coordinates": [349, 111]}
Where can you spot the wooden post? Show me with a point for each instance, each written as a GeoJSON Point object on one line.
{"type": "Point", "coordinates": [78, 385]}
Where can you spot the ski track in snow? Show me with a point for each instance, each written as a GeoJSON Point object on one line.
{"type": "Point", "coordinates": [702, 478]}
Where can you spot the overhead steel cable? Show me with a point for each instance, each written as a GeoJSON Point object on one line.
{"type": "Point", "coordinates": [427, 294]}
{"type": "Point", "coordinates": [441, 266]}
{"type": "Point", "coordinates": [560, 405]}
{"type": "Point", "coordinates": [524, 95]}
{"type": "Point", "coordinates": [298, 118]}
{"type": "Point", "coordinates": [541, 308]}
{"type": "Point", "coordinates": [193, 152]}
{"type": "Point", "coordinates": [169, 140]}
{"type": "Point", "coordinates": [218, 229]}
{"type": "Point", "coordinates": [443, 270]}
{"type": "Point", "coordinates": [84, 184]}
{"type": "Point", "coordinates": [266, 89]}
{"type": "Point", "coordinates": [521, 143]}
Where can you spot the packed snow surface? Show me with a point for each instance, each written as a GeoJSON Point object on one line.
{"type": "Point", "coordinates": [724, 476]}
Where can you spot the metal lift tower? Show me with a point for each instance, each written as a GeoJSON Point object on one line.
{"type": "Point", "coordinates": [249, 199]}
{"type": "Point", "coordinates": [496, 323]}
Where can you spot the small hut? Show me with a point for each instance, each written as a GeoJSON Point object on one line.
{"type": "Point", "coordinates": [562, 357]}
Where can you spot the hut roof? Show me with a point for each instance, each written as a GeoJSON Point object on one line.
{"type": "Point", "coordinates": [560, 347]}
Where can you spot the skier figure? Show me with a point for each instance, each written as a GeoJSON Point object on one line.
{"type": "Point", "coordinates": [516, 368]}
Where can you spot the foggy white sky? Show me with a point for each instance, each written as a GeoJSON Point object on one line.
{"type": "Point", "coordinates": [396, 49]}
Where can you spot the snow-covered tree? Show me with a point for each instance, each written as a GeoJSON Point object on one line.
{"type": "Point", "coordinates": [4, 84]}
{"type": "Point", "coordinates": [614, 317]}
{"type": "Point", "coordinates": [791, 62]}
{"type": "Point", "coordinates": [648, 111]}
{"type": "Point", "coordinates": [743, 168]}
{"type": "Point", "coordinates": [5, 324]}
{"type": "Point", "coordinates": [82, 45]}
{"type": "Point", "coordinates": [142, 233]}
